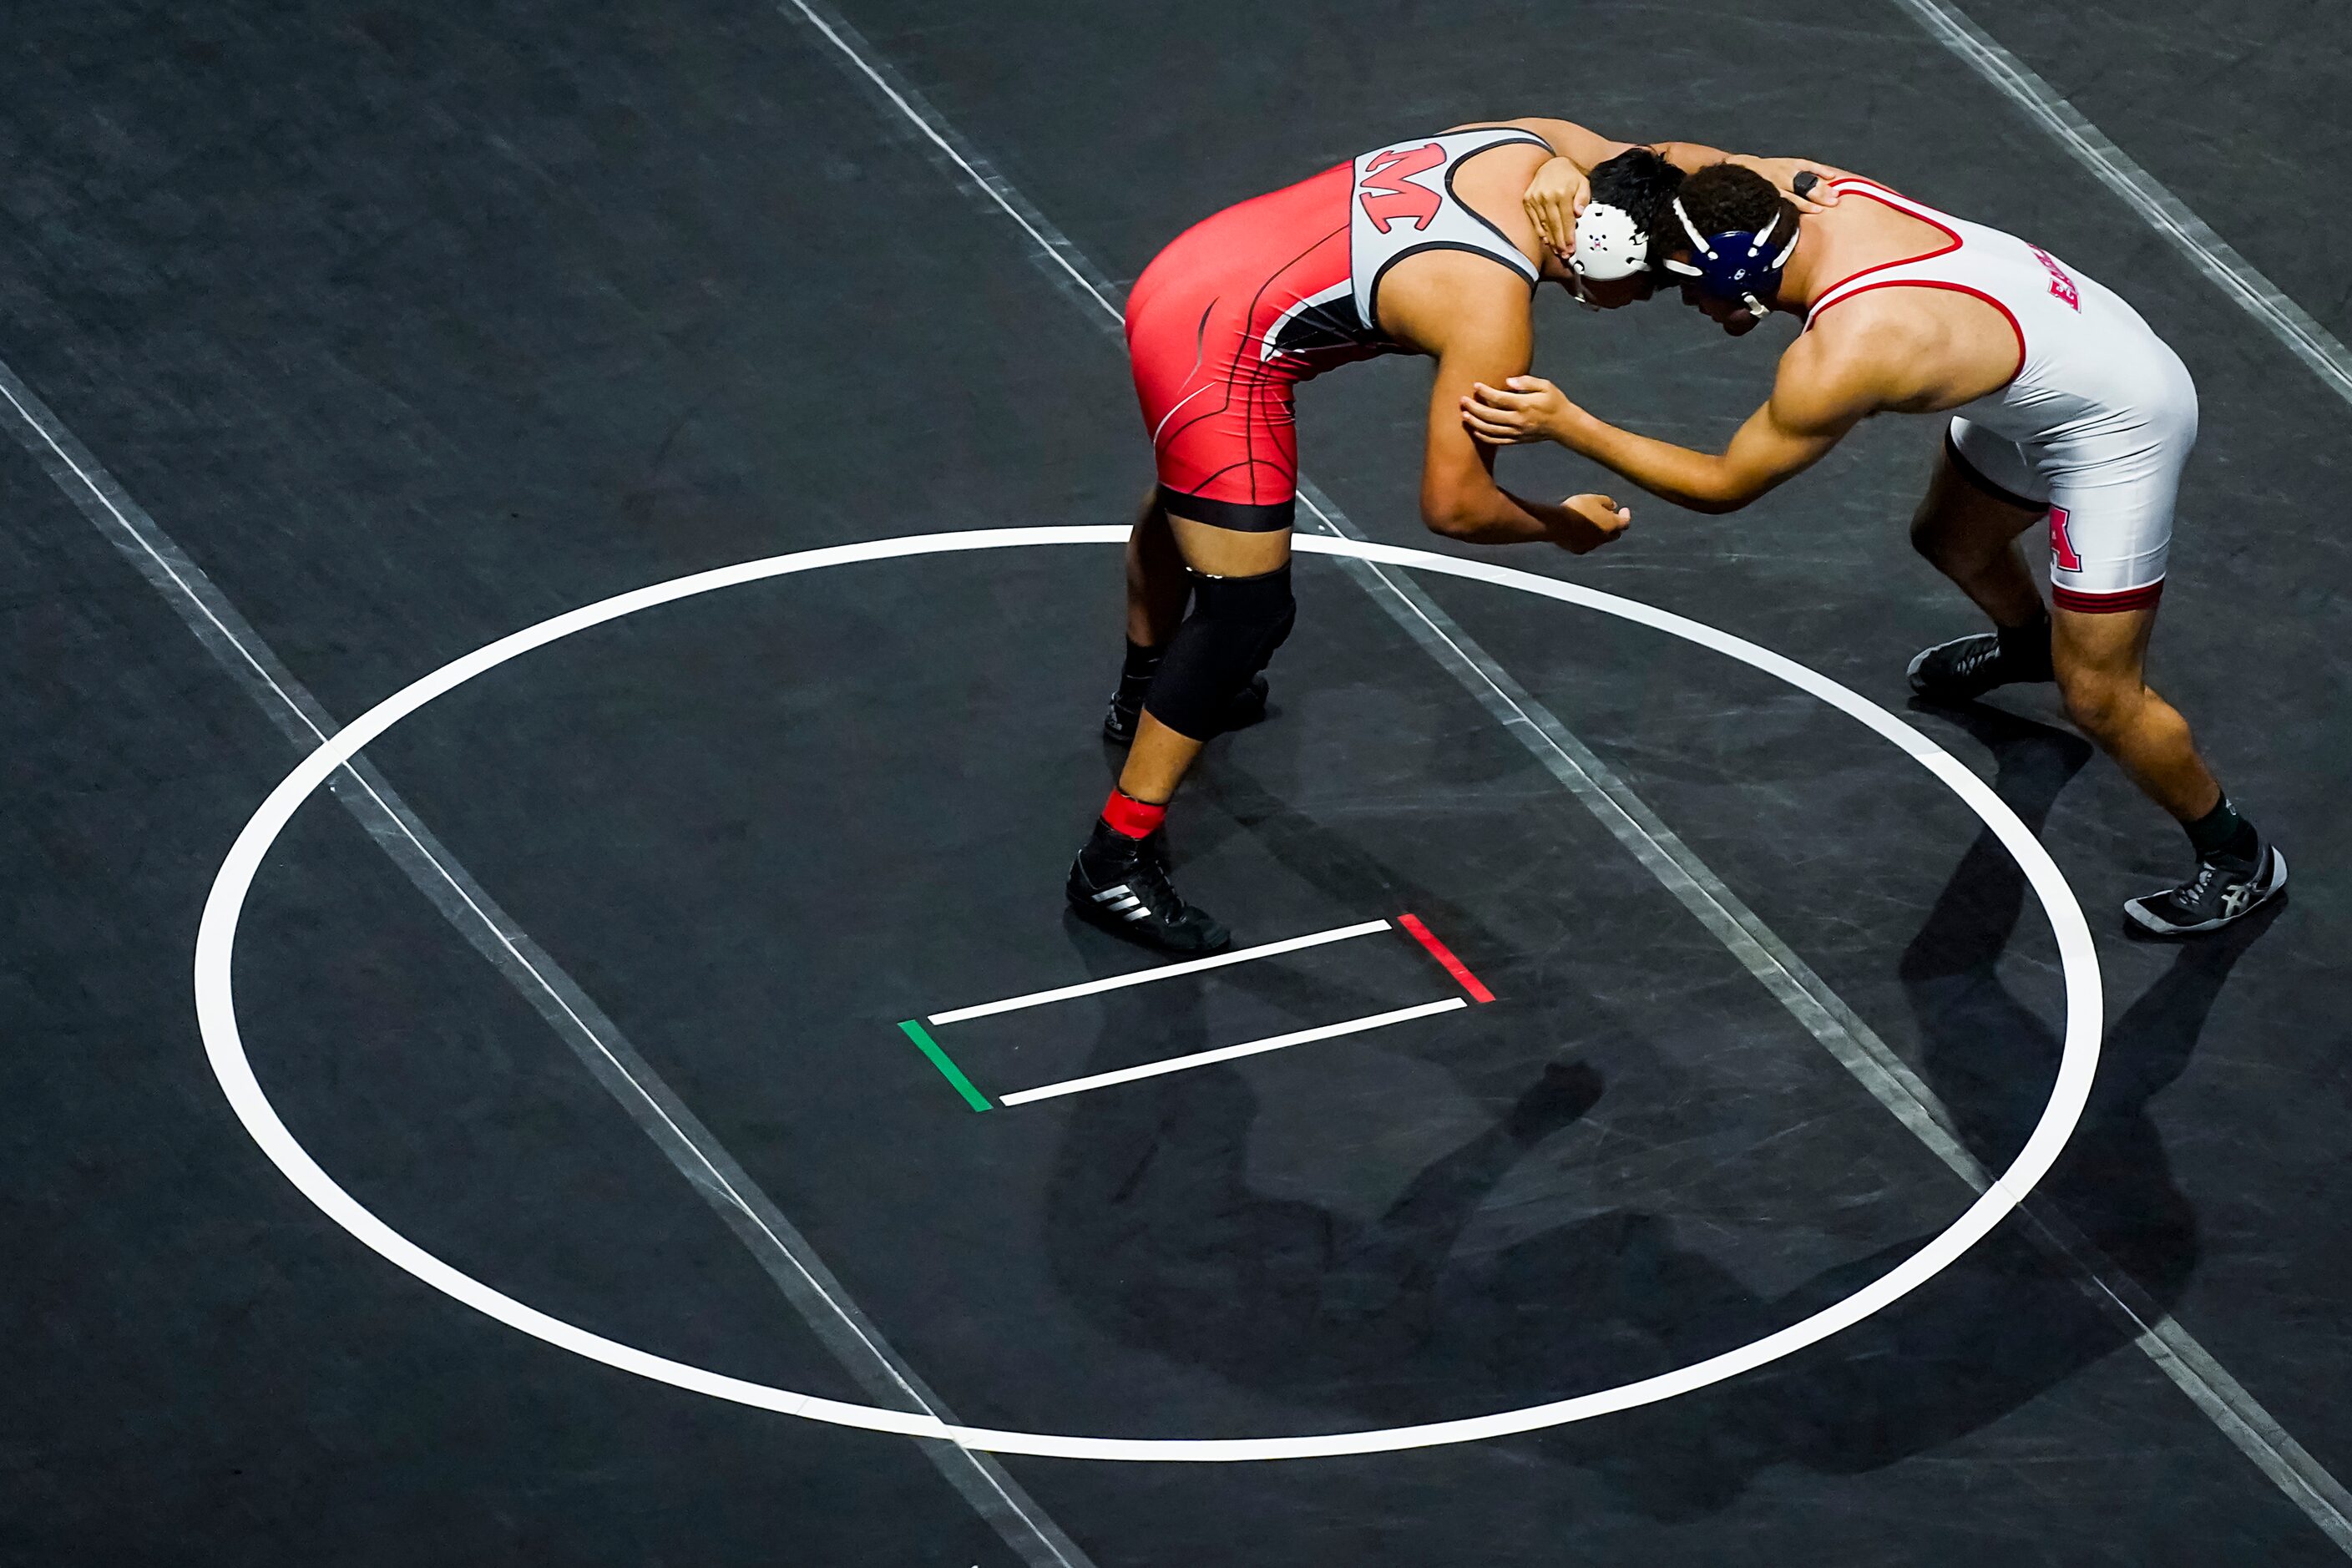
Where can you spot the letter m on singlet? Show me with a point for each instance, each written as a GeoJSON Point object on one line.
{"type": "Point", "coordinates": [1389, 191]}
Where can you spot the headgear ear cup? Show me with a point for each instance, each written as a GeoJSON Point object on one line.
{"type": "Point", "coordinates": [1610, 246]}
{"type": "Point", "coordinates": [1735, 265]}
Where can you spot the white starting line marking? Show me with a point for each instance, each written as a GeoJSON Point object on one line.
{"type": "Point", "coordinates": [1168, 972]}
{"type": "Point", "coordinates": [1227, 1053]}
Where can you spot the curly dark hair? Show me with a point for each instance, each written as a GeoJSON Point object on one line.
{"type": "Point", "coordinates": [1640, 182]}
{"type": "Point", "coordinates": [1723, 198]}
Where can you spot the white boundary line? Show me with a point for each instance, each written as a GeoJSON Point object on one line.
{"type": "Point", "coordinates": [2191, 1367]}
{"type": "Point", "coordinates": [1233, 1053]}
{"type": "Point", "coordinates": [778, 1247]}
{"type": "Point", "coordinates": [224, 1046]}
{"type": "Point", "coordinates": [1846, 1037]}
{"type": "Point", "coordinates": [2235, 1407]}
{"type": "Point", "coordinates": [1168, 972]}
{"type": "Point", "coordinates": [1048, 240]}
{"type": "Point", "coordinates": [2164, 212]}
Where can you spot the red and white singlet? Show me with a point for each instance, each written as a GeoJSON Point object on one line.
{"type": "Point", "coordinates": [2096, 424]}
{"type": "Point", "coordinates": [1245, 305]}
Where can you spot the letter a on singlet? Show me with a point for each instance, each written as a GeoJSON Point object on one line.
{"type": "Point", "coordinates": [1390, 192]}
{"type": "Point", "coordinates": [2063, 553]}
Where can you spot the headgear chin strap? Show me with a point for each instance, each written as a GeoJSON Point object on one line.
{"type": "Point", "coordinates": [1734, 266]}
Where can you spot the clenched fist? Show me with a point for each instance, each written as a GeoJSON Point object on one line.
{"type": "Point", "coordinates": [1593, 522]}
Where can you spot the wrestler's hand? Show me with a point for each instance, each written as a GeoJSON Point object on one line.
{"type": "Point", "coordinates": [1592, 521]}
{"type": "Point", "coordinates": [1554, 198]}
{"type": "Point", "coordinates": [1784, 173]}
{"type": "Point", "coordinates": [1524, 408]}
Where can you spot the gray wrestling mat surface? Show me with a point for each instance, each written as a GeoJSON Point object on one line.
{"type": "Point", "coordinates": [343, 342]}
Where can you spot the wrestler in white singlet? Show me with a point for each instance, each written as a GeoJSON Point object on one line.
{"type": "Point", "coordinates": [2096, 424]}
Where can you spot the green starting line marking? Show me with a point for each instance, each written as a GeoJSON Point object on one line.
{"type": "Point", "coordinates": [954, 1074]}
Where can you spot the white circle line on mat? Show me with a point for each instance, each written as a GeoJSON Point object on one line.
{"type": "Point", "coordinates": [216, 1016]}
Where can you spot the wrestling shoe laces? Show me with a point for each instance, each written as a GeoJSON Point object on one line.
{"type": "Point", "coordinates": [2225, 887]}
{"type": "Point", "coordinates": [1121, 884]}
{"type": "Point", "coordinates": [1967, 667]}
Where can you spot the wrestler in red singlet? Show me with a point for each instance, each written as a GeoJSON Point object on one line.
{"type": "Point", "coordinates": [1245, 305]}
{"type": "Point", "coordinates": [1422, 247]}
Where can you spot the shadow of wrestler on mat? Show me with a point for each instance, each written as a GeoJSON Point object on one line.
{"type": "Point", "coordinates": [1159, 1236]}
{"type": "Point", "coordinates": [2010, 1319]}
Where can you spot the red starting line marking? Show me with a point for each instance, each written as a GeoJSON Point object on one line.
{"type": "Point", "coordinates": [1444, 955]}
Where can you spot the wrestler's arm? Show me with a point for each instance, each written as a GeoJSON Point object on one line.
{"type": "Point", "coordinates": [1827, 385]}
{"type": "Point", "coordinates": [1690, 157]}
{"type": "Point", "coordinates": [1585, 149]}
{"type": "Point", "coordinates": [1559, 190]}
{"type": "Point", "coordinates": [1475, 322]}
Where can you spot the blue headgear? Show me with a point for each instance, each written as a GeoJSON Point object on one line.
{"type": "Point", "coordinates": [1735, 265]}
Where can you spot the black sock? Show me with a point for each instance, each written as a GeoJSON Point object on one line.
{"type": "Point", "coordinates": [2028, 646]}
{"type": "Point", "coordinates": [1135, 675]}
{"type": "Point", "coordinates": [2221, 831]}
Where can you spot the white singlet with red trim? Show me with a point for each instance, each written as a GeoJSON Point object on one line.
{"type": "Point", "coordinates": [2096, 425]}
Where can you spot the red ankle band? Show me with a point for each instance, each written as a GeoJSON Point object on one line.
{"type": "Point", "coordinates": [1131, 817]}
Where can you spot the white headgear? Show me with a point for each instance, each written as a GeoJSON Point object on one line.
{"type": "Point", "coordinates": [1610, 245]}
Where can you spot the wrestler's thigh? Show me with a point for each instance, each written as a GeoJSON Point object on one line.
{"type": "Point", "coordinates": [1958, 513]}
{"type": "Point", "coordinates": [2107, 648]}
{"type": "Point", "coordinates": [1229, 552]}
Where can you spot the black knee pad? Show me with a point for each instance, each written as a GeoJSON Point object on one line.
{"type": "Point", "coordinates": [1236, 625]}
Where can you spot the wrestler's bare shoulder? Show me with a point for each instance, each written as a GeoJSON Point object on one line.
{"type": "Point", "coordinates": [1427, 299]}
{"type": "Point", "coordinates": [1921, 349]}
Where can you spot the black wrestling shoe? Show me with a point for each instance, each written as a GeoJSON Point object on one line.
{"type": "Point", "coordinates": [1967, 667]}
{"type": "Point", "coordinates": [1120, 720]}
{"type": "Point", "coordinates": [1121, 884]}
{"type": "Point", "coordinates": [2225, 887]}
{"type": "Point", "coordinates": [1247, 708]}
